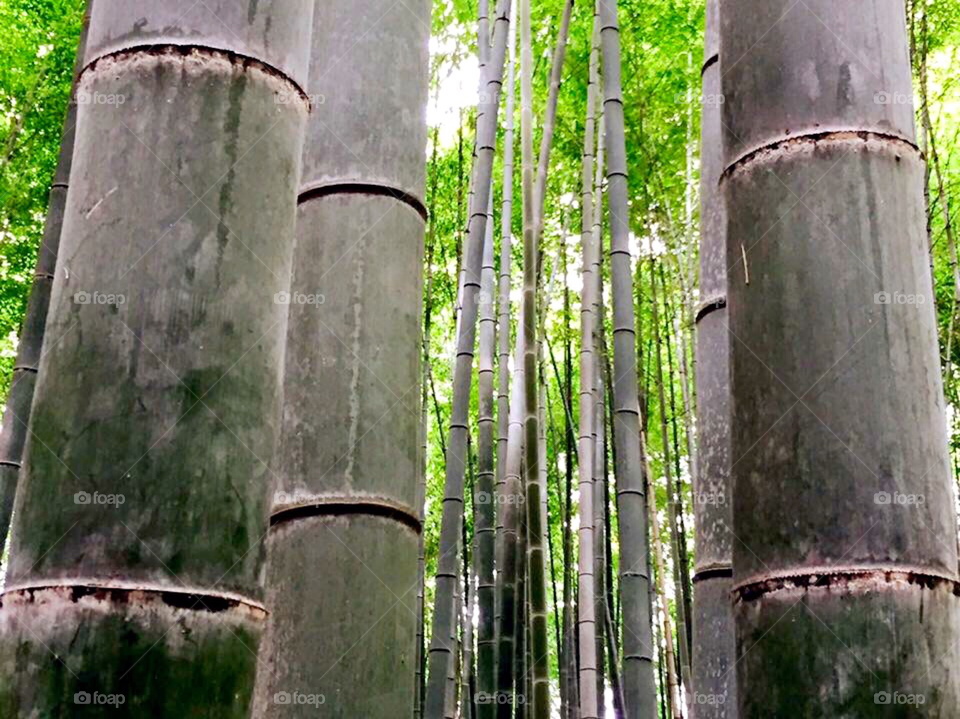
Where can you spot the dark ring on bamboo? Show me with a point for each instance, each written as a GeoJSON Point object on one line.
{"type": "Point", "coordinates": [703, 575]}
{"type": "Point", "coordinates": [814, 138]}
{"type": "Point", "coordinates": [342, 508]}
{"type": "Point", "coordinates": [711, 304]}
{"type": "Point", "coordinates": [356, 187]}
{"type": "Point", "coordinates": [170, 49]}
{"type": "Point", "coordinates": [178, 599]}
{"type": "Point", "coordinates": [839, 578]}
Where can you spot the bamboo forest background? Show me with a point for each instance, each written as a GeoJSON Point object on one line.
{"type": "Point", "coordinates": [662, 42]}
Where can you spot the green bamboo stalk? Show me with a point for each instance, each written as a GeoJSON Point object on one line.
{"type": "Point", "coordinates": [638, 681]}
{"type": "Point", "coordinates": [441, 653]}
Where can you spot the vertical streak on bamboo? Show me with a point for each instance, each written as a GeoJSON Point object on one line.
{"type": "Point", "coordinates": [487, 109]}
{"type": "Point", "coordinates": [638, 680]}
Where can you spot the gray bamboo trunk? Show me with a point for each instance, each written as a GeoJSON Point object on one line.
{"type": "Point", "coordinates": [600, 469]}
{"type": "Point", "coordinates": [525, 660]}
{"type": "Point", "coordinates": [452, 684]}
{"type": "Point", "coordinates": [485, 505]}
{"type": "Point", "coordinates": [713, 676]}
{"type": "Point", "coordinates": [503, 338]}
{"type": "Point", "coordinates": [503, 283]}
{"type": "Point", "coordinates": [587, 438]}
{"type": "Point", "coordinates": [669, 659]}
{"type": "Point", "coordinates": [509, 600]}
{"type": "Point", "coordinates": [343, 542]}
{"type": "Point", "coordinates": [467, 679]}
{"type": "Point", "coordinates": [539, 706]}
{"type": "Point", "coordinates": [441, 653]}
{"type": "Point", "coordinates": [599, 534]}
{"type": "Point", "coordinates": [846, 562]}
{"type": "Point", "coordinates": [639, 689]}
{"type": "Point", "coordinates": [16, 416]}
{"type": "Point", "coordinates": [136, 564]}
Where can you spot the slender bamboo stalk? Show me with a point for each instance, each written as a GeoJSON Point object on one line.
{"type": "Point", "coordinates": [467, 682]}
{"type": "Point", "coordinates": [486, 491]}
{"type": "Point", "coordinates": [639, 688]}
{"type": "Point", "coordinates": [599, 456]}
{"type": "Point", "coordinates": [19, 402]}
{"type": "Point", "coordinates": [587, 624]}
{"type": "Point", "coordinates": [424, 434]}
{"type": "Point", "coordinates": [605, 391]}
{"type": "Point", "coordinates": [677, 557]}
{"type": "Point", "coordinates": [505, 547]}
{"type": "Point", "coordinates": [503, 289]}
{"type": "Point", "coordinates": [510, 601]}
{"type": "Point", "coordinates": [539, 649]}
{"type": "Point", "coordinates": [599, 543]}
{"type": "Point", "coordinates": [670, 661]}
{"type": "Point", "coordinates": [567, 663]}
{"type": "Point", "coordinates": [603, 564]}
{"type": "Point", "coordinates": [683, 556]}
{"type": "Point", "coordinates": [452, 683]}
{"type": "Point", "coordinates": [524, 684]}
{"type": "Point", "coordinates": [487, 110]}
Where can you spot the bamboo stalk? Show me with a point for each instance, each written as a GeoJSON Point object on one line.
{"type": "Point", "coordinates": [669, 659]}
{"type": "Point", "coordinates": [843, 346]}
{"type": "Point", "coordinates": [487, 109]}
{"type": "Point", "coordinates": [638, 680]}
{"type": "Point", "coordinates": [162, 571]}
